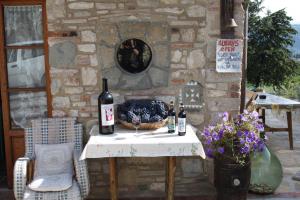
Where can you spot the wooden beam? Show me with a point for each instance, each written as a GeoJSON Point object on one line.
{"type": "Point", "coordinates": [170, 179]}
{"type": "Point", "coordinates": [290, 129]}
{"type": "Point", "coordinates": [113, 179]}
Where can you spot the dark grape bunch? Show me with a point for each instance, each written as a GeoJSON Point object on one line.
{"type": "Point", "coordinates": [149, 110]}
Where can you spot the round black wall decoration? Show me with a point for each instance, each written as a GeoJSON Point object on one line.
{"type": "Point", "coordinates": [134, 55]}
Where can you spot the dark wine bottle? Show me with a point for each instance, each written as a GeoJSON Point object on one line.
{"type": "Point", "coordinates": [106, 110]}
{"type": "Point", "coordinates": [171, 118]}
{"type": "Point", "coordinates": [181, 121]}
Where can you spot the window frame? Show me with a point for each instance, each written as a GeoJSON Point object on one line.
{"type": "Point", "coordinates": [12, 150]}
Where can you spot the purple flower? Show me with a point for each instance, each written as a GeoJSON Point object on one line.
{"type": "Point", "coordinates": [249, 139]}
{"type": "Point", "coordinates": [255, 146]}
{"type": "Point", "coordinates": [221, 150]}
{"type": "Point", "coordinates": [215, 136]}
{"type": "Point", "coordinates": [243, 118]}
{"type": "Point", "coordinates": [209, 152]}
{"type": "Point", "coordinates": [246, 133]}
{"type": "Point", "coordinates": [242, 141]}
{"type": "Point", "coordinates": [208, 140]}
{"type": "Point", "coordinates": [228, 128]}
{"type": "Point", "coordinates": [254, 115]}
{"type": "Point", "coordinates": [261, 145]}
{"type": "Point", "coordinates": [225, 116]}
{"type": "Point", "coordinates": [259, 127]}
{"type": "Point", "coordinates": [245, 149]}
{"type": "Point", "coordinates": [239, 133]}
{"type": "Point", "coordinates": [206, 132]}
{"type": "Point", "coordinates": [221, 133]}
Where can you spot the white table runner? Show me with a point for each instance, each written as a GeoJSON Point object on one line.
{"type": "Point", "coordinates": [146, 143]}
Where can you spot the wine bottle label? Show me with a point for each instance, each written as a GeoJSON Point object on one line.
{"type": "Point", "coordinates": [171, 123]}
{"type": "Point", "coordinates": [182, 125]}
{"type": "Point", "coordinates": [107, 114]}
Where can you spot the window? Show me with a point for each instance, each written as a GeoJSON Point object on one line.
{"type": "Point", "coordinates": [26, 68]}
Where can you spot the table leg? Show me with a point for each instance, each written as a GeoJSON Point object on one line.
{"type": "Point", "coordinates": [290, 128]}
{"type": "Point", "coordinates": [170, 179]}
{"type": "Point", "coordinates": [113, 179]}
{"type": "Point", "coordinates": [263, 113]}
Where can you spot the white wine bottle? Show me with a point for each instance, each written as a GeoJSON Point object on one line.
{"type": "Point", "coordinates": [171, 118]}
{"type": "Point", "coordinates": [181, 120]}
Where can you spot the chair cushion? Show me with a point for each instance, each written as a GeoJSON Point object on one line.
{"type": "Point", "coordinates": [52, 183]}
{"type": "Point", "coordinates": [73, 193]}
{"type": "Point", "coordinates": [52, 160]}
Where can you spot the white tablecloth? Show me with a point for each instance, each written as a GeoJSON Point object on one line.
{"type": "Point", "coordinates": [146, 143]}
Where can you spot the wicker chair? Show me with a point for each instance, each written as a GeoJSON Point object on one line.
{"type": "Point", "coordinates": [51, 131]}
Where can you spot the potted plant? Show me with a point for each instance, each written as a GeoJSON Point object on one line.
{"type": "Point", "coordinates": [230, 142]}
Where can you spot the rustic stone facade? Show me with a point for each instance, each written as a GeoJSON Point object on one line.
{"type": "Point", "coordinates": [83, 36]}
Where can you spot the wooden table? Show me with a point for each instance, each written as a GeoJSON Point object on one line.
{"type": "Point", "coordinates": [277, 103]}
{"type": "Point", "coordinates": [145, 143]}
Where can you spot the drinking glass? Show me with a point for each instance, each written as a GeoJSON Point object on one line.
{"type": "Point", "coordinates": [136, 122]}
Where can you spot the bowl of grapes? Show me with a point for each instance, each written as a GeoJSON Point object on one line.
{"type": "Point", "coordinates": [145, 114]}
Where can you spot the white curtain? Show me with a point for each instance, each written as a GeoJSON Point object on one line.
{"type": "Point", "coordinates": [23, 25]}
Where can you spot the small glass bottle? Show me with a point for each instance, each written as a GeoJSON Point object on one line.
{"type": "Point", "coordinates": [181, 120]}
{"type": "Point", "coordinates": [171, 118]}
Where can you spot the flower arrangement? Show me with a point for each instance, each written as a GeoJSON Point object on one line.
{"type": "Point", "coordinates": [234, 138]}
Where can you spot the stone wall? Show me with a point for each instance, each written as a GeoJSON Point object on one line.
{"type": "Point", "coordinates": [182, 33]}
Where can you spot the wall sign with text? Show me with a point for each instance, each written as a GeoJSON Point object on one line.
{"type": "Point", "coordinates": [229, 55]}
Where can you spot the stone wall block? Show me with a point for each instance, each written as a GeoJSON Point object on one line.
{"type": "Point", "coordinates": [74, 21]}
{"type": "Point", "coordinates": [112, 74]}
{"type": "Point", "coordinates": [170, 2]}
{"type": "Point", "coordinates": [158, 33]}
{"type": "Point", "coordinates": [222, 104]}
{"type": "Point", "coordinates": [89, 76]}
{"type": "Point", "coordinates": [62, 55]}
{"type": "Point", "coordinates": [216, 93]}
{"type": "Point", "coordinates": [196, 11]}
{"type": "Point", "coordinates": [55, 86]}
{"type": "Point", "coordinates": [55, 9]}
{"type": "Point", "coordinates": [58, 113]}
{"type": "Point", "coordinates": [184, 2]}
{"type": "Point", "coordinates": [148, 4]}
{"type": "Point", "coordinates": [129, 30]}
{"type": "Point", "coordinates": [82, 60]}
{"type": "Point", "coordinates": [81, 5]}
{"type": "Point", "coordinates": [107, 33]}
{"type": "Point", "coordinates": [170, 10]}
{"type": "Point", "coordinates": [195, 118]}
{"type": "Point", "coordinates": [188, 35]}
{"type": "Point", "coordinates": [196, 59]}
{"type": "Point", "coordinates": [73, 90]}
{"type": "Point", "coordinates": [107, 57]}
{"type": "Point", "coordinates": [176, 56]}
{"type": "Point", "coordinates": [106, 6]}
{"type": "Point", "coordinates": [127, 82]}
{"type": "Point", "coordinates": [214, 77]}
{"type": "Point", "coordinates": [81, 14]}
{"type": "Point", "coordinates": [61, 102]}
{"type": "Point", "coordinates": [88, 36]}
{"type": "Point", "coordinates": [94, 60]}
{"type": "Point", "coordinates": [158, 77]}
{"type": "Point", "coordinates": [87, 48]}
{"type": "Point", "coordinates": [161, 55]}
